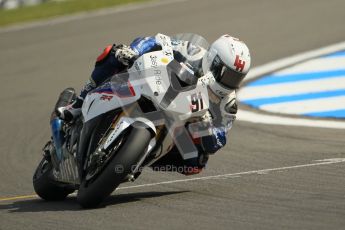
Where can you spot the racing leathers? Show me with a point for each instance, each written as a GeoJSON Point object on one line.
{"type": "Point", "coordinates": [117, 58]}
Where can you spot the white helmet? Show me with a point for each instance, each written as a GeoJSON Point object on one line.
{"type": "Point", "coordinates": [228, 59]}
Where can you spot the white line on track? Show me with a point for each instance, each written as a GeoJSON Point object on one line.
{"type": "Point", "coordinates": [221, 176]}
{"type": "Point", "coordinates": [289, 61]}
{"type": "Point", "coordinates": [84, 15]}
{"type": "Point", "coordinates": [292, 88]}
{"type": "Point", "coordinates": [255, 117]}
{"type": "Point", "coordinates": [231, 175]}
{"type": "Point", "coordinates": [315, 65]}
{"type": "Point", "coordinates": [307, 106]}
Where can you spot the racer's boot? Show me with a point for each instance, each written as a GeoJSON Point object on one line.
{"type": "Point", "coordinates": [72, 111]}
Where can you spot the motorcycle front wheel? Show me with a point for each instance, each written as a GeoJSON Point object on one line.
{"type": "Point", "coordinates": [92, 193]}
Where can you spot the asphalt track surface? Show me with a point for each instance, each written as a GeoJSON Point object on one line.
{"type": "Point", "coordinates": [37, 63]}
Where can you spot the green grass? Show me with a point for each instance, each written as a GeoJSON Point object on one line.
{"type": "Point", "coordinates": [53, 9]}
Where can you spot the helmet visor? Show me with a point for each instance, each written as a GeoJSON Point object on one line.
{"type": "Point", "coordinates": [224, 75]}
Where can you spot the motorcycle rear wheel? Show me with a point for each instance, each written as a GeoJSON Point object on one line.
{"type": "Point", "coordinates": [92, 193]}
{"type": "Point", "coordinates": [44, 184]}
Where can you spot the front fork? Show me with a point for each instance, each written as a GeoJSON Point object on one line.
{"type": "Point", "coordinates": [118, 126]}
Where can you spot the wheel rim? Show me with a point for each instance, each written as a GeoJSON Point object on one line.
{"type": "Point", "coordinates": [41, 169]}
{"type": "Point", "coordinates": [94, 170]}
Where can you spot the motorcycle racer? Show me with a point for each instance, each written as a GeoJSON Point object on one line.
{"type": "Point", "coordinates": [227, 59]}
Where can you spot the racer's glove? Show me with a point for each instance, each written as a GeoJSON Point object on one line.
{"type": "Point", "coordinates": [125, 54]}
{"type": "Point", "coordinates": [212, 143]}
{"type": "Point", "coordinates": [143, 45]}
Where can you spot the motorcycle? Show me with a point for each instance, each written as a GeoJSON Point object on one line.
{"type": "Point", "coordinates": [129, 122]}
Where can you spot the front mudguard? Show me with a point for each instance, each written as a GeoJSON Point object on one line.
{"type": "Point", "coordinates": [124, 123]}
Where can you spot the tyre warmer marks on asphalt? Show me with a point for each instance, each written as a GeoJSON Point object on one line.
{"type": "Point", "coordinates": [313, 88]}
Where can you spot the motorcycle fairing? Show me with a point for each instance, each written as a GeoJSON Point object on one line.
{"type": "Point", "coordinates": [105, 98]}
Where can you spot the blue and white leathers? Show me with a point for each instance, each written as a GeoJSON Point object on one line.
{"type": "Point", "coordinates": [144, 45]}
{"type": "Point", "coordinates": [110, 65]}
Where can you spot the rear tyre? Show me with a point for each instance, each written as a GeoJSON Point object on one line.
{"type": "Point", "coordinates": [92, 193]}
{"type": "Point", "coordinates": [45, 186]}
{"type": "Point", "coordinates": [43, 180]}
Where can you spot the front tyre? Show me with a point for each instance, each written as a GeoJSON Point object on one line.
{"type": "Point", "coordinates": [44, 184]}
{"type": "Point", "coordinates": [92, 193]}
